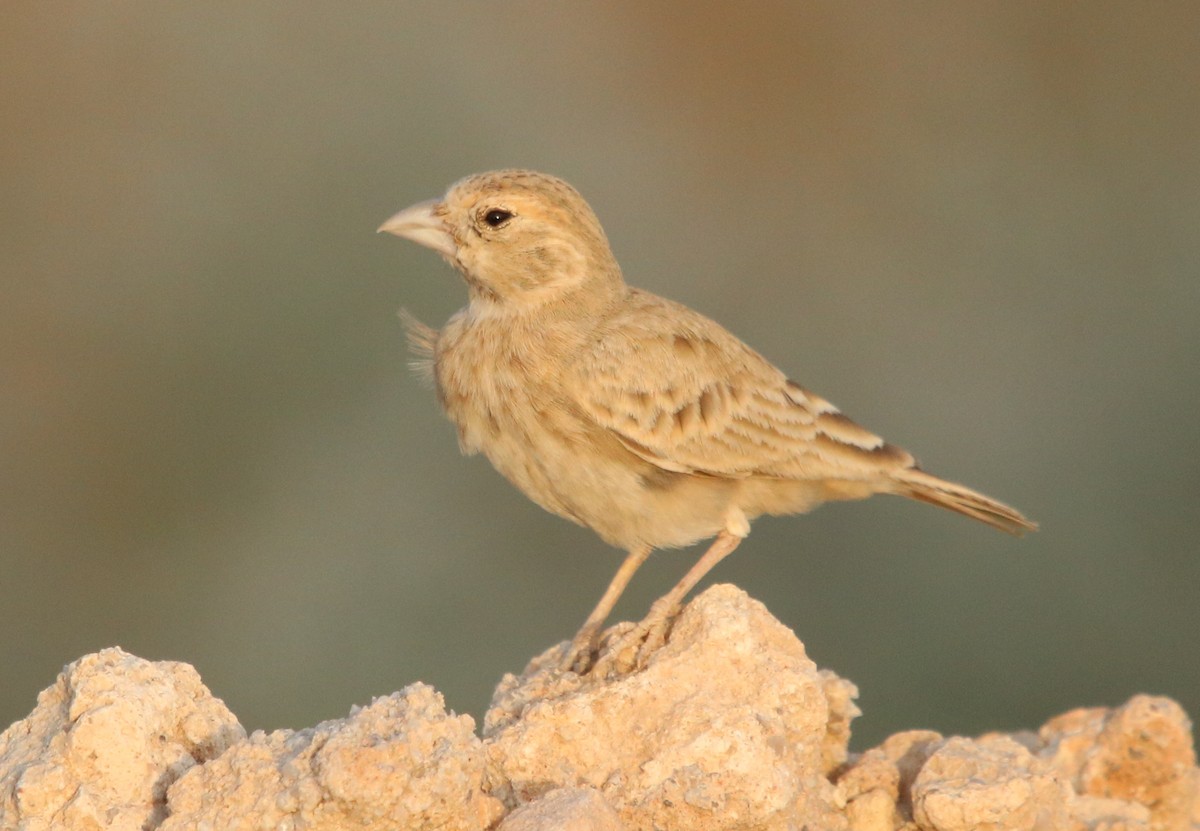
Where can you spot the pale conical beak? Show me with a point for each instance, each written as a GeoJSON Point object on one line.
{"type": "Point", "coordinates": [422, 224]}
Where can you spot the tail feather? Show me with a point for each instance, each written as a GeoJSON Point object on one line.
{"type": "Point", "coordinates": [917, 484]}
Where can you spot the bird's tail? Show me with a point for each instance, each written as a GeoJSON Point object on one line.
{"type": "Point", "coordinates": [920, 485]}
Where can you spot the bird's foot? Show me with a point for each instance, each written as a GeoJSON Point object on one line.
{"type": "Point", "coordinates": [580, 653]}
{"type": "Point", "coordinates": [631, 650]}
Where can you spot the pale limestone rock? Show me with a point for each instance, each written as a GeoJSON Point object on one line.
{"type": "Point", "coordinates": [728, 727]}
{"type": "Point", "coordinates": [1140, 753]}
{"type": "Point", "coordinates": [840, 695]}
{"type": "Point", "coordinates": [1093, 813]}
{"type": "Point", "coordinates": [564, 809]}
{"type": "Point", "coordinates": [105, 742]}
{"type": "Point", "coordinates": [988, 784]}
{"type": "Point", "coordinates": [875, 788]}
{"type": "Point", "coordinates": [1127, 769]}
{"type": "Point", "coordinates": [401, 762]}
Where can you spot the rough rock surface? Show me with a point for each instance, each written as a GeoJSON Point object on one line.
{"type": "Point", "coordinates": [401, 762]}
{"type": "Point", "coordinates": [105, 742]}
{"type": "Point", "coordinates": [564, 809]}
{"type": "Point", "coordinates": [729, 726]}
{"type": "Point", "coordinates": [1140, 755]}
{"type": "Point", "coordinates": [992, 782]}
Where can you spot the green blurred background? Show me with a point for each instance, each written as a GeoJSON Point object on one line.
{"type": "Point", "coordinates": [975, 226]}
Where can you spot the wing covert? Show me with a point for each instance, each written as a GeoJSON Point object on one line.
{"type": "Point", "coordinates": [683, 393]}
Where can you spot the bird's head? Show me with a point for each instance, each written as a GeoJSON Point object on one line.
{"type": "Point", "coordinates": [518, 238]}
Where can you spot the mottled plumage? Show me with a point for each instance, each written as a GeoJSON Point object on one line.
{"type": "Point", "coordinates": [623, 411]}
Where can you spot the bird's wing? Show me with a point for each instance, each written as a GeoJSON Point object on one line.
{"type": "Point", "coordinates": [683, 393]}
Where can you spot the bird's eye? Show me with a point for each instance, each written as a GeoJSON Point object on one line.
{"type": "Point", "coordinates": [497, 217]}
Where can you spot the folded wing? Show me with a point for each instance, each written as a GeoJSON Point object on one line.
{"type": "Point", "coordinates": [700, 401]}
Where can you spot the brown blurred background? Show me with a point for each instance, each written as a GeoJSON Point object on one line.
{"type": "Point", "coordinates": [976, 227]}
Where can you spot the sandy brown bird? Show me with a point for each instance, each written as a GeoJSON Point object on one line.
{"type": "Point", "coordinates": [623, 411]}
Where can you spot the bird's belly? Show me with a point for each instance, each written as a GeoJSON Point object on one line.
{"type": "Point", "coordinates": [621, 502]}
{"type": "Point", "coordinates": [582, 473]}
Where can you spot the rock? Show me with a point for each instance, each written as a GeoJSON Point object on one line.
{"type": "Point", "coordinates": [401, 762]}
{"type": "Point", "coordinates": [988, 783]}
{"type": "Point", "coordinates": [1140, 753]}
{"type": "Point", "coordinates": [729, 726]}
{"type": "Point", "coordinates": [876, 789]}
{"type": "Point", "coordinates": [564, 809]}
{"type": "Point", "coordinates": [1095, 814]}
{"type": "Point", "coordinates": [105, 742]}
{"type": "Point", "coordinates": [1132, 768]}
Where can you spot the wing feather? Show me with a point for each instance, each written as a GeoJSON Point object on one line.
{"type": "Point", "coordinates": [683, 393]}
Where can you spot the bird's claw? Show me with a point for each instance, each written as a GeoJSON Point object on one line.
{"type": "Point", "coordinates": [579, 654]}
{"type": "Point", "coordinates": [630, 651]}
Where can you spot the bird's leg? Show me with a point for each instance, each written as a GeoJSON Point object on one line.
{"type": "Point", "coordinates": [579, 653]}
{"type": "Point", "coordinates": [658, 620]}
{"type": "Point", "coordinates": [651, 633]}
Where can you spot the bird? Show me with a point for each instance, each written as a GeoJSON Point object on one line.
{"type": "Point", "coordinates": [625, 412]}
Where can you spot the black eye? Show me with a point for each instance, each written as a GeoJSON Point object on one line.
{"type": "Point", "coordinates": [497, 217]}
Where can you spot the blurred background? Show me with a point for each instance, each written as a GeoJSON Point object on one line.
{"type": "Point", "coordinates": [975, 227]}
